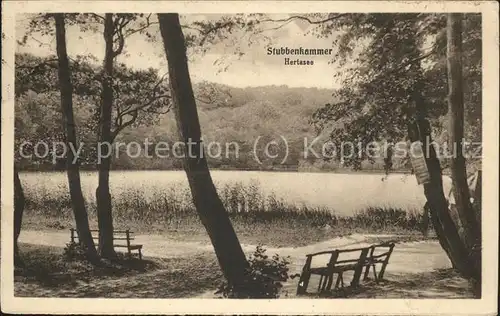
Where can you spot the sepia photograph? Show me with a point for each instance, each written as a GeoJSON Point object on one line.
{"type": "Point", "coordinates": [280, 152]}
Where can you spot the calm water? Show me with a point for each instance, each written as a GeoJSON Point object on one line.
{"type": "Point", "coordinates": [345, 193]}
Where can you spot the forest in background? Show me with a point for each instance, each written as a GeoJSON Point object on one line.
{"type": "Point", "coordinates": [227, 114]}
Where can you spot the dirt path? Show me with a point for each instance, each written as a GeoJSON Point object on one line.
{"type": "Point", "coordinates": [161, 246]}
{"type": "Point", "coordinates": [153, 245]}
{"type": "Point", "coordinates": [408, 258]}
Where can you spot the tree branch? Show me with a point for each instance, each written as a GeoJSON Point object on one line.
{"type": "Point", "coordinates": [121, 44]}
{"type": "Point", "coordinates": [142, 28]}
{"type": "Point", "coordinates": [120, 127]}
{"type": "Point", "coordinates": [145, 105]}
{"type": "Point", "coordinates": [99, 17]}
{"type": "Point", "coordinates": [213, 29]}
{"type": "Point", "coordinates": [189, 27]}
{"type": "Point", "coordinates": [412, 61]}
{"type": "Point", "coordinates": [44, 63]}
{"type": "Point", "coordinates": [134, 113]}
{"type": "Point", "coordinates": [300, 17]}
{"type": "Point", "coordinates": [121, 40]}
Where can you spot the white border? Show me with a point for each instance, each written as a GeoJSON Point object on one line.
{"type": "Point", "coordinates": [487, 305]}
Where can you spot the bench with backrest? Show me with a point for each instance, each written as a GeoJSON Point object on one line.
{"type": "Point", "coordinates": [341, 262]}
{"type": "Point", "coordinates": [379, 255]}
{"type": "Point", "coordinates": [123, 238]}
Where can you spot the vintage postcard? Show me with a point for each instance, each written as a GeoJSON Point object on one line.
{"type": "Point", "coordinates": [260, 157]}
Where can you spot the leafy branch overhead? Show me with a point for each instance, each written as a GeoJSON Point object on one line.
{"type": "Point", "coordinates": [383, 58]}
{"type": "Point", "coordinates": [399, 53]}
{"type": "Point", "coordinates": [141, 94]}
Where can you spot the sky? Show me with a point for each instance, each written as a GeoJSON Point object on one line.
{"type": "Point", "coordinates": [253, 68]}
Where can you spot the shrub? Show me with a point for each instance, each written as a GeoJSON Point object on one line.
{"type": "Point", "coordinates": [74, 252]}
{"type": "Point", "coordinates": [263, 278]}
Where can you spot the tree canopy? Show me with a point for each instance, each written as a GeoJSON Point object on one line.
{"type": "Point", "coordinates": [399, 53]}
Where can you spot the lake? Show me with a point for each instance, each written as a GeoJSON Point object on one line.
{"type": "Point", "coordinates": [344, 193]}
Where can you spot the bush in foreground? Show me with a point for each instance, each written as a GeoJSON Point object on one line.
{"type": "Point", "coordinates": [263, 277]}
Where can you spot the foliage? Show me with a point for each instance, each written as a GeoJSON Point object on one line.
{"type": "Point", "coordinates": [228, 115]}
{"type": "Point", "coordinates": [384, 58]}
{"type": "Point", "coordinates": [263, 277]}
{"type": "Point", "coordinates": [140, 96]}
{"type": "Point", "coordinates": [74, 251]}
{"type": "Point", "coordinates": [236, 116]}
{"type": "Point", "coordinates": [394, 62]}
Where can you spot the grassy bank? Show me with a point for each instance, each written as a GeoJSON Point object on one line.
{"type": "Point", "coordinates": [257, 217]}
{"type": "Point", "coordinates": [48, 274]}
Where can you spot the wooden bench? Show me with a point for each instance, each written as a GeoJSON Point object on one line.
{"type": "Point", "coordinates": [381, 258]}
{"type": "Point", "coordinates": [119, 235]}
{"type": "Point", "coordinates": [357, 259]}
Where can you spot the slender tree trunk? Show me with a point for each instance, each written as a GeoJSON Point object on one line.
{"type": "Point", "coordinates": [477, 205]}
{"type": "Point", "coordinates": [212, 213]}
{"type": "Point", "coordinates": [75, 189]}
{"type": "Point", "coordinates": [103, 196]}
{"type": "Point", "coordinates": [19, 202]}
{"type": "Point", "coordinates": [442, 222]}
{"type": "Point", "coordinates": [472, 235]}
{"type": "Point", "coordinates": [438, 229]}
{"type": "Point", "coordinates": [425, 221]}
{"type": "Point", "coordinates": [433, 190]}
